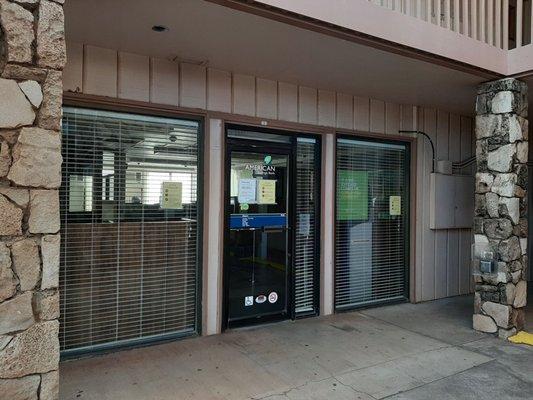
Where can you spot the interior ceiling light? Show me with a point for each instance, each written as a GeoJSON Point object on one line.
{"type": "Point", "coordinates": [159, 28]}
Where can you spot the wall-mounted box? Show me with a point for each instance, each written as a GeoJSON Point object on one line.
{"type": "Point", "coordinates": [443, 167]}
{"type": "Point", "coordinates": [451, 201]}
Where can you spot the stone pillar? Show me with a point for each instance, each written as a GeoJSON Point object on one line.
{"type": "Point", "coordinates": [32, 56]}
{"type": "Point", "coordinates": [501, 205]}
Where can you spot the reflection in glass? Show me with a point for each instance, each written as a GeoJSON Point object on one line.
{"type": "Point", "coordinates": [371, 223]}
{"type": "Point", "coordinates": [258, 235]}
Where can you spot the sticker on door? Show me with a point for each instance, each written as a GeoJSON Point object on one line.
{"type": "Point", "coordinates": [272, 297]}
{"type": "Point", "coordinates": [248, 301]}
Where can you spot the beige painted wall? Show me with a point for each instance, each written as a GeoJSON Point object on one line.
{"type": "Point", "coordinates": [441, 257]}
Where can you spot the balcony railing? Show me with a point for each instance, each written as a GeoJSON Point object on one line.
{"type": "Point", "coordinates": [505, 24]}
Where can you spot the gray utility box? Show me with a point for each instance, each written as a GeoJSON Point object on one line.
{"type": "Point", "coordinates": [451, 201]}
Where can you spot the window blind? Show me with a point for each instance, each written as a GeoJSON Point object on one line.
{"type": "Point", "coordinates": [129, 224]}
{"type": "Point", "coordinates": [305, 260]}
{"type": "Point", "coordinates": [371, 240]}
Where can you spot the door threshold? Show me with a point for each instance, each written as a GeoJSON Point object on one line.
{"type": "Point", "coordinates": [258, 325]}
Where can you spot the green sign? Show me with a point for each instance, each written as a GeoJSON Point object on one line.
{"type": "Point", "coordinates": [352, 195]}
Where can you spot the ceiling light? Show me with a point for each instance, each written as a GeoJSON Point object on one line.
{"type": "Point", "coordinates": [159, 28]}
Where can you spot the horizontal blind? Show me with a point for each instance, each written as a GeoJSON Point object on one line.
{"type": "Point", "coordinates": [305, 262]}
{"type": "Point", "coordinates": [371, 223]}
{"type": "Point", "coordinates": [129, 228]}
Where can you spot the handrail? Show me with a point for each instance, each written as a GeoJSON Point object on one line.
{"type": "Point", "coordinates": [505, 24]}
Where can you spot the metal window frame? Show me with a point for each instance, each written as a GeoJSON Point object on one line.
{"type": "Point", "coordinates": [406, 217]}
{"type": "Point", "coordinates": [96, 104]}
{"type": "Point", "coordinates": [318, 223]}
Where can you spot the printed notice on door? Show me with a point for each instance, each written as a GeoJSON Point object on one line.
{"type": "Point", "coordinates": [395, 205]}
{"type": "Point", "coordinates": [171, 195]}
{"type": "Point", "coordinates": [247, 190]}
{"type": "Point", "coordinates": [304, 224]}
{"type": "Point", "coordinates": [266, 191]}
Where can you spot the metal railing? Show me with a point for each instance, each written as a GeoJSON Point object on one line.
{"type": "Point", "coordinates": [505, 24]}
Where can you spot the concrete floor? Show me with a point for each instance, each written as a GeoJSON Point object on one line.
{"type": "Point", "coordinates": [423, 351]}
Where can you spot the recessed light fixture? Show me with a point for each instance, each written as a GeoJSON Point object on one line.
{"type": "Point", "coordinates": [159, 28]}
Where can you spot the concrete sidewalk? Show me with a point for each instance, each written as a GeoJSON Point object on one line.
{"type": "Point", "coordinates": [407, 351]}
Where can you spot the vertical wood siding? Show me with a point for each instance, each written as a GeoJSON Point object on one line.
{"type": "Point", "coordinates": [163, 85]}
{"type": "Point", "coordinates": [133, 77]}
{"type": "Point", "coordinates": [442, 257]}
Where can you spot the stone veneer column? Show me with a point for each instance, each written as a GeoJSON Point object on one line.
{"type": "Point", "coordinates": [501, 205]}
{"type": "Point", "coordinates": [32, 56]}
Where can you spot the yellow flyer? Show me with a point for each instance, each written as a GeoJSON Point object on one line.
{"type": "Point", "coordinates": [266, 190]}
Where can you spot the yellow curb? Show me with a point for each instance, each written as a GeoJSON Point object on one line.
{"type": "Point", "coordinates": [522, 338]}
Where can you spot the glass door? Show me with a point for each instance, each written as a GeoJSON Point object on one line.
{"type": "Point", "coordinates": [257, 253]}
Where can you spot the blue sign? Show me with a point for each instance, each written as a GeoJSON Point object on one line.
{"type": "Point", "coordinates": [239, 221]}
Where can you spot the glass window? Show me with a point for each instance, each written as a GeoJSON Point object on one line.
{"type": "Point", "coordinates": [129, 217]}
{"type": "Point", "coordinates": [306, 263]}
{"type": "Point", "coordinates": [371, 243]}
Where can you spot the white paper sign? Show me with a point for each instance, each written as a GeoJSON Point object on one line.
{"type": "Point", "coordinates": [267, 191]}
{"type": "Point", "coordinates": [247, 190]}
{"type": "Point", "coordinates": [395, 205]}
{"type": "Point", "coordinates": [171, 196]}
{"type": "Point", "coordinates": [304, 224]}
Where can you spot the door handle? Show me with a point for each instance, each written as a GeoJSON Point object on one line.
{"type": "Point", "coordinates": [273, 230]}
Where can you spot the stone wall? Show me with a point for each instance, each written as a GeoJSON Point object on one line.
{"type": "Point", "coordinates": [501, 205]}
{"type": "Point", "coordinates": [32, 56]}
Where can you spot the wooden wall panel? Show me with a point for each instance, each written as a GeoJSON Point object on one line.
{"type": "Point", "coordinates": [377, 116]}
{"type": "Point", "coordinates": [428, 236]}
{"type": "Point", "coordinates": [420, 205]}
{"type": "Point", "coordinates": [287, 102]}
{"type": "Point", "coordinates": [244, 94]}
{"type": "Point", "coordinates": [392, 118]}
{"type": "Point", "coordinates": [307, 105]}
{"type": "Point", "coordinates": [326, 108]}
{"type": "Point", "coordinates": [442, 258]}
{"type": "Point", "coordinates": [164, 81]}
{"type": "Point", "coordinates": [266, 98]}
{"type": "Point", "coordinates": [407, 117]}
{"type": "Point", "coordinates": [100, 71]}
{"type": "Point", "coordinates": [73, 74]}
{"type": "Point", "coordinates": [218, 90]}
{"type": "Point", "coordinates": [133, 77]}
{"type": "Point", "coordinates": [361, 109]}
{"type": "Point", "coordinates": [193, 86]}
{"type": "Point", "coordinates": [465, 236]}
{"type": "Point", "coordinates": [452, 279]}
{"type": "Point", "coordinates": [454, 150]}
{"type": "Point", "coordinates": [443, 131]}
{"type": "Point", "coordinates": [441, 236]}
{"type": "Point", "coordinates": [454, 139]}
{"type": "Point", "coordinates": [344, 115]}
